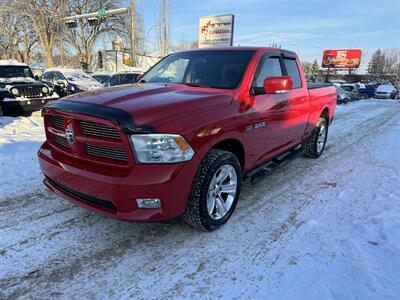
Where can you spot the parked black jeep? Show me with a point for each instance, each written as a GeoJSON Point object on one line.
{"type": "Point", "coordinates": [20, 92]}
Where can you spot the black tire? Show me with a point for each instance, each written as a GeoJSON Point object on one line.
{"type": "Point", "coordinates": [311, 145]}
{"type": "Point", "coordinates": [196, 213]}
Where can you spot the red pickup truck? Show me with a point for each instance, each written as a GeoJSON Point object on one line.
{"type": "Point", "coordinates": [180, 141]}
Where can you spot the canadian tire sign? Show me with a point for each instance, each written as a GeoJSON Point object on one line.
{"type": "Point", "coordinates": [216, 31]}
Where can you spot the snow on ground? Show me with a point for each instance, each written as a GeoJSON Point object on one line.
{"type": "Point", "coordinates": [315, 229]}
{"type": "Point", "coordinates": [20, 138]}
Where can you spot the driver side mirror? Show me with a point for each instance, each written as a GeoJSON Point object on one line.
{"type": "Point", "coordinates": [36, 78]}
{"type": "Point", "coordinates": [278, 85]}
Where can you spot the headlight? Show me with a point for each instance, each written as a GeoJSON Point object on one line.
{"type": "Point", "coordinates": [45, 90]}
{"type": "Point", "coordinates": [14, 91]}
{"type": "Point", "coordinates": [161, 148]}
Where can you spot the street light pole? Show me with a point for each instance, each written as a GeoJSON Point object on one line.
{"type": "Point", "coordinates": [133, 34]}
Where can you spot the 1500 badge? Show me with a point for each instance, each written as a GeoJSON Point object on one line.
{"type": "Point", "coordinates": [255, 126]}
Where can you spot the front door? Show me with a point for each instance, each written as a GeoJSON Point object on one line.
{"type": "Point", "coordinates": [269, 117]}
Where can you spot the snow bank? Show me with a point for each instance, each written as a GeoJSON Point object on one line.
{"type": "Point", "coordinates": [20, 138]}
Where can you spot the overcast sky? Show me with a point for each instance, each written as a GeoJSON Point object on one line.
{"type": "Point", "coordinates": [302, 26]}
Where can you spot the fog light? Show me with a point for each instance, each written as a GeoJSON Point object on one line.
{"type": "Point", "coordinates": [149, 203]}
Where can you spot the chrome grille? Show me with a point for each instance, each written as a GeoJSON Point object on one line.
{"type": "Point", "coordinates": [58, 122]}
{"type": "Point", "coordinates": [106, 152]}
{"type": "Point", "coordinates": [31, 92]}
{"type": "Point", "coordinates": [61, 141]}
{"type": "Point", "coordinates": [98, 130]}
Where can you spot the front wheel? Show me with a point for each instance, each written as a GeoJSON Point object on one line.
{"type": "Point", "coordinates": [315, 144]}
{"type": "Point", "coordinates": [215, 191]}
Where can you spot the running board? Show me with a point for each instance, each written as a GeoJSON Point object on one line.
{"type": "Point", "coordinates": [268, 168]}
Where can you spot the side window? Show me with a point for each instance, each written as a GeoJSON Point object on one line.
{"type": "Point", "coordinates": [127, 78]}
{"type": "Point", "coordinates": [114, 80]}
{"type": "Point", "coordinates": [293, 71]}
{"type": "Point", "coordinates": [270, 67]}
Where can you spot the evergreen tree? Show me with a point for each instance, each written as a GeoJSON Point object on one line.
{"type": "Point", "coordinates": [377, 63]}
{"type": "Point", "coordinates": [315, 67]}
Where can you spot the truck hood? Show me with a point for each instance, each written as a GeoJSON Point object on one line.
{"type": "Point", "coordinates": [157, 104]}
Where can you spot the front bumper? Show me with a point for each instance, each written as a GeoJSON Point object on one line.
{"type": "Point", "coordinates": [113, 192]}
{"type": "Point", "coordinates": [382, 96]}
{"type": "Point", "coordinates": [14, 106]}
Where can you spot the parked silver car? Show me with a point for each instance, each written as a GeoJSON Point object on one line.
{"type": "Point", "coordinates": [344, 96]}
{"type": "Point", "coordinates": [386, 91]}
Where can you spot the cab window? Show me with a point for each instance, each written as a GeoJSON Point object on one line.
{"type": "Point", "coordinates": [268, 67]}
{"type": "Point", "coordinates": [293, 71]}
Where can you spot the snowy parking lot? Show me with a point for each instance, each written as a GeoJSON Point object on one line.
{"type": "Point", "coordinates": [314, 229]}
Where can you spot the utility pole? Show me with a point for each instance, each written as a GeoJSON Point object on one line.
{"type": "Point", "coordinates": [133, 34]}
{"type": "Point", "coordinates": [164, 27]}
{"type": "Point", "coordinates": [60, 30]}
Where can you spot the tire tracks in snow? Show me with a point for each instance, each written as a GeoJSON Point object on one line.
{"type": "Point", "coordinates": [283, 195]}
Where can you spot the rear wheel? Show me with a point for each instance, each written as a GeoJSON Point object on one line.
{"type": "Point", "coordinates": [315, 145]}
{"type": "Point", "coordinates": [215, 191]}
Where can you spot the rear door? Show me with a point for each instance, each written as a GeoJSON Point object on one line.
{"type": "Point", "coordinates": [299, 104]}
{"type": "Point", "coordinates": [269, 117]}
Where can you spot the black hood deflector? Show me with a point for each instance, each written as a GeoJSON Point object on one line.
{"type": "Point", "coordinates": [119, 116]}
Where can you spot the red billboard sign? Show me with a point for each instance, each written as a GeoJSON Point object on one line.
{"type": "Point", "coordinates": [342, 59]}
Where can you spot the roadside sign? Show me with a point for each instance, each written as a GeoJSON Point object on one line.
{"type": "Point", "coordinates": [101, 12]}
{"type": "Point", "coordinates": [216, 31]}
{"type": "Point", "coordinates": [341, 59]}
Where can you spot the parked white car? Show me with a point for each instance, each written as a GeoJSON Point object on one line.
{"type": "Point", "coordinates": [386, 91]}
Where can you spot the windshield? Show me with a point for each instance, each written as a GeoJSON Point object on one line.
{"type": "Point", "coordinates": [15, 71]}
{"type": "Point", "coordinates": [101, 78]}
{"type": "Point", "coordinates": [347, 88]}
{"type": "Point", "coordinates": [208, 68]}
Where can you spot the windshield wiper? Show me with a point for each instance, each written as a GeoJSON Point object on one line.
{"type": "Point", "coordinates": [196, 85]}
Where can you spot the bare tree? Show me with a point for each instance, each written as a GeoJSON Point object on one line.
{"type": "Point", "coordinates": [9, 34]}
{"type": "Point", "coordinates": [44, 19]}
{"type": "Point", "coordinates": [84, 37]}
{"type": "Point", "coordinates": [17, 39]}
